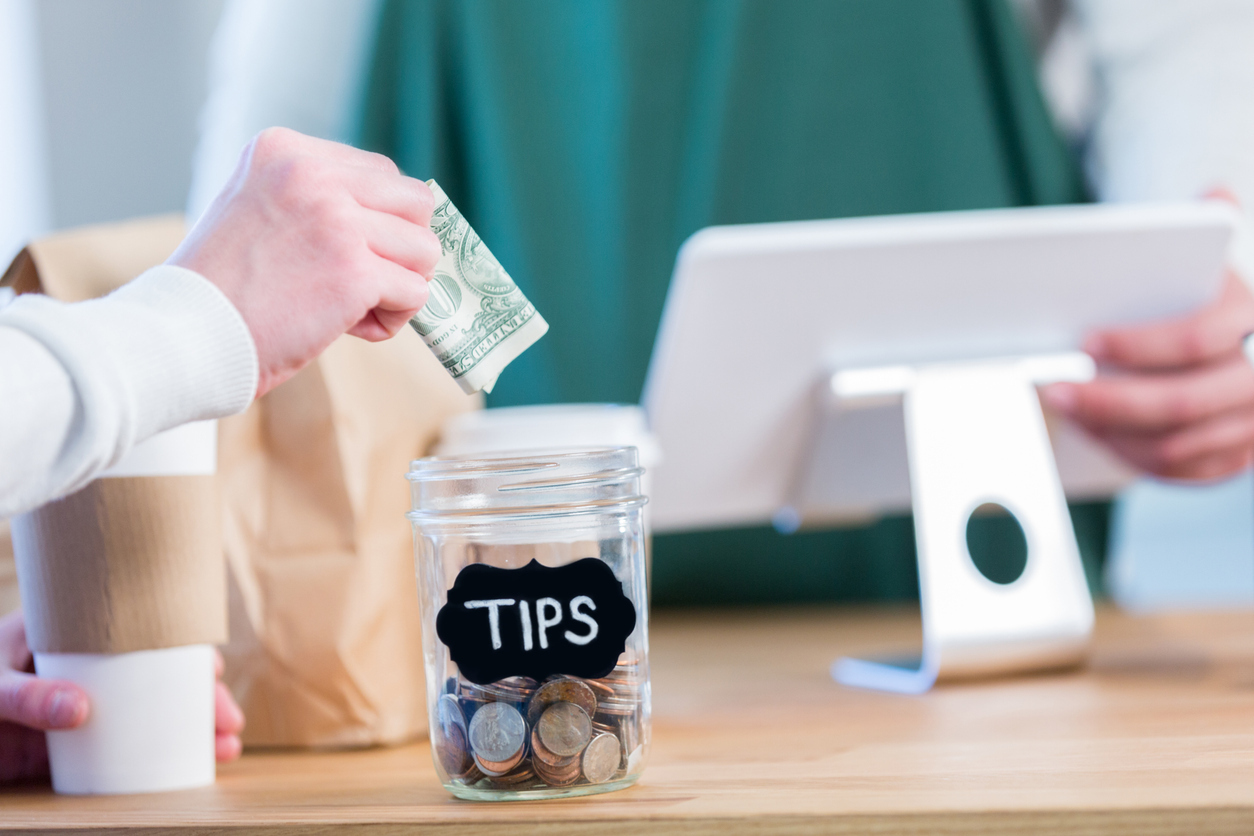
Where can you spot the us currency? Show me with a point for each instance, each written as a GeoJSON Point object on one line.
{"type": "Point", "coordinates": [476, 320]}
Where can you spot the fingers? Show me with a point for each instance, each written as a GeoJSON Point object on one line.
{"type": "Point", "coordinates": [41, 703]}
{"type": "Point", "coordinates": [401, 294]}
{"type": "Point", "coordinates": [1149, 457]}
{"type": "Point", "coordinates": [228, 719]}
{"type": "Point", "coordinates": [1146, 403]}
{"type": "Point", "coordinates": [379, 325]}
{"type": "Point", "coordinates": [228, 722]}
{"type": "Point", "coordinates": [13, 650]}
{"type": "Point", "coordinates": [227, 716]}
{"type": "Point", "coordinates": [1207, 335]}
{"type": "Point", "coordinates": [226, 747]}
{"type": "Point", "coordinates": [1208, 449]}
{"type": "Point", "coordinates": [393, 194]}
{"type": "Point", "coordinates": [412, 246]}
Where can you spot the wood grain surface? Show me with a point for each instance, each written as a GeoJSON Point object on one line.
{"type": "Point", "coordinates": [750, 736]}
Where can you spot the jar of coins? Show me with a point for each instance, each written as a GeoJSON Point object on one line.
{"type": "Point", "coordinates": [531, 573]}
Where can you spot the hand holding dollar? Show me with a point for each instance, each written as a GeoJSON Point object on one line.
{"type": "Point", "coordinates": [476, 320]}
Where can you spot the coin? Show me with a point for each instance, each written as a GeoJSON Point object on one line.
{"type": "Point", "coordinates": [450, 712]}
{"type": "Point", "coordinates": [601, 688]}
{"type": "Point", "coordinates": [473, 774]}
{"type": "Point", "coordinates": [601, 758]}
{"type": "Point", "coordinates": [541, 753]}
{"type": "Point", "coordinates": [495, 769]}
{"type": "Point", "coordinates": [558, 776]}
{"type": "Point", "coordinates": [630, 735]}
{"type": "Point", "coordinates": [522, 774]}
{"type": "Point", "coordinates": [451, 744]}
{"type": "Point", "coordinates": [611, 709]}
{"type": "Point", "coordinates": [511, 689]}
{"type": "Point", "coordinates": [561, 689]}
{"type": "Point", "coordinates": [515, 689]}
{"type": "Point", "coordinates": [498, 732]}
{"type": "Point", "coordinates": [453, 751]}
{"type": "Point", "coordinates": [564, 729]}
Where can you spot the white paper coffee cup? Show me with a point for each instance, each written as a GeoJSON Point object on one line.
{"type": "Point", "coordinates": [151, 726]}
{"type": "Point", "coordinates": [151, 721]}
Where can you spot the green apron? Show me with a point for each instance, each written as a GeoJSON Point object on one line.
{"type": "Point", "coordinates": [586, 139]}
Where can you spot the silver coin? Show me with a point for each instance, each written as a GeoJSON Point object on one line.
{"type": "Point", "coordinates": [564, 729]}
{"type": "Point", "coordinates": [450, 712]}
{"type": "Point", "coordinates": [497, 732]}
{"type": "Point", "coordinates": [601, 758]}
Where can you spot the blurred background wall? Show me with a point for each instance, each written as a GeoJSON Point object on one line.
{"type": "Point", "coordinates": [122, 82]}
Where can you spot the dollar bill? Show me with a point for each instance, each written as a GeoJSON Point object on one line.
{"type": "Point", "coordinates": [476, 320]}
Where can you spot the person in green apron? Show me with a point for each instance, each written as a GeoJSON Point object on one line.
{"type": "Point", "coordinates": [587, 139]}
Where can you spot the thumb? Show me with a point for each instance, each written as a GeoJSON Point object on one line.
{"type": "Point", "coordinates": [41, 703]}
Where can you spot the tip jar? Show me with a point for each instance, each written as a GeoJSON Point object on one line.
{"type": "Point", "coordinates": [531, 577]}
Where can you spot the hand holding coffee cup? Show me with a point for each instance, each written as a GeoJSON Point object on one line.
{"type": "Point", "coordinates": [31, 706]}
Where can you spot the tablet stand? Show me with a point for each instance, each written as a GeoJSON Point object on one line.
{"type": "Point", "coordinates": [975, 434]}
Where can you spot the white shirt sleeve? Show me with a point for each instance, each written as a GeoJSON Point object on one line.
{"type": "Point", "coordinates": [82, 383]}
{"type": "Point", "coordinates": [1174, 115]}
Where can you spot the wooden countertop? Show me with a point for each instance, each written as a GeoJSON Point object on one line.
{"type": "Point", "coordinates": [1156, 736]}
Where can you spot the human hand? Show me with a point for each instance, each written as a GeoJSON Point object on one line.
{"type": "Point", "coordinates": [1174, 398]}
{"type": "Point", "coordinates": [311, 239]}
{"type": "Point", "coordinates": [29, 706]}
{"type": "Point", "coordinates": [228, 719]}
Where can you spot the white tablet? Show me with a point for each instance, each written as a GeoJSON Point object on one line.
{"type": "Point", "coordinates": [760, 316]}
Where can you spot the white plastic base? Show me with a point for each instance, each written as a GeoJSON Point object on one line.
{"type": "Point", "coordinates": [151, 723]}
{"type": "Point", "coordinates": [975, 434]}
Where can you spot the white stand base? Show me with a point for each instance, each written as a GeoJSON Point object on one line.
{"type": "Point", "coordinates": [975, 434]}
{"type": "Point", "coordinates": [151, 726]}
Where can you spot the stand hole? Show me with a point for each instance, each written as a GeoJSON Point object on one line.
{"type": "Point", "coordinates": [996, 543]}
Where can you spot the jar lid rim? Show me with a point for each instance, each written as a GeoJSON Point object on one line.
{"type": "Point", "coordinates": [467, 515]}
{"type": "Point", "coordinates": [515, 461]}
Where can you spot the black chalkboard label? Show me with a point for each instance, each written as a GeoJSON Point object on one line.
{"type": "Point", "coordinates": [536, 621]}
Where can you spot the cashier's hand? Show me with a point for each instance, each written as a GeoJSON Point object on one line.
{"type": "Point", "coordinates": [29, 706]}
{"type": "Point", "coordinates": [311, 239]}
{"type": "Point", "coordinates": [1176, 398]}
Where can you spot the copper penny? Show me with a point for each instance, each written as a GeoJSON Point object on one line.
{"type": "Point", "coordinates": [495, 769]}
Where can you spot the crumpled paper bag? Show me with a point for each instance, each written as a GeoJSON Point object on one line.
{"type": "Point", "coordinates": [326, 640]}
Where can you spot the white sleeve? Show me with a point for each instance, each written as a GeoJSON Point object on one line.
{"type": "Point", "coordinates": [82, 383]}
{"type": "Point", "coordinates": [298, 64]}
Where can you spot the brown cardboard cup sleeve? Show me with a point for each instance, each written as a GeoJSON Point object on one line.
{"type": "Point", "coordinates": [125, 564]}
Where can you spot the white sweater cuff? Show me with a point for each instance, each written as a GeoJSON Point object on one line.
{"type": "Point", "coordinates": [162, 350]}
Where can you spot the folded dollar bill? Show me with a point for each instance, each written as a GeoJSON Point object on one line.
{"type": "Point", "coordinates": [476, 320]}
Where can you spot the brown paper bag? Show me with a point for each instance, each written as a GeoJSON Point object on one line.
{"type": "Point", "coordinates": [9, 599]}
{"type": "Point", "coordinates": [325, 646]}
{"type": "Point", "coordinates": [326, 643]}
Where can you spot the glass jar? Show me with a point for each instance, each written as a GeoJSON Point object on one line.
{"type": "Point", "coordinates": [531, 575]}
